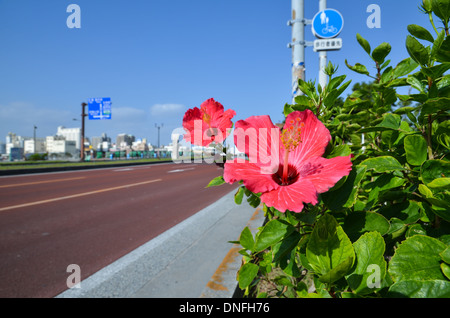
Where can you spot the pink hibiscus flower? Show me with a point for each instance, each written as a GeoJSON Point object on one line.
{"type": "Point", "coordinates": [208, 123]}
{"type": "Point", "coordinates": [291, 171]}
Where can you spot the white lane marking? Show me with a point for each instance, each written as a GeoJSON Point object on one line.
{"type": "Point", "coordinates": [77, 195]}
{"type": "Point", "coordinates": [39, 182]}
{"type": "Point", "coordinates": [180, 170]}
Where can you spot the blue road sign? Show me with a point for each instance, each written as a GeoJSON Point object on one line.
{"type": "Point", "coordinates": [99, 108]}
{"type": "Point", "coordinates": [327, 24]}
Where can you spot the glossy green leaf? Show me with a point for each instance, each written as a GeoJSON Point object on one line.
{"type": "Point", "coordinates": [441, 8]}
{"type": "Point", "coordinates": [246, 239]}
{"type": "Point", "coordinates": [417, 51]}
{"type": "Point", "coordinates": [357, 223]}
{"type": "Point", "coordinates": [216, 182]}
{"type": "Point", "coordinates": [382, 164]}
{"type": "Point", "coordinates": [239, 195]}
{"type": "Point", "coordinates": [405, 67]}
{"type": "Point", "coordinates": [370, 264]}
{"type": "Point", "coordinates": [247, 274]}
{"type": "Point", "coordinates": [272, 233]}
{"type": "Point", "coordinates": [359, 68]}
{"type": "Point", "coordinates": [445, 255]}
{"type": "Point", "coordinates": [364, 43]}
{"type": "Point", "coordinates": [420, 289]}
{"type": "Point", "coordinates": [380, 52]}
{"type": "Point", "coordinates": [437, 44]}
{"type": "Point", "coordinates": [345, 196]}
{"type": "Point", "coordinates": [407, 265]}
{"type": "Point", "coordinates": [435, 105]}
{"type": "Point", "coordinates": [436, 173]}
{"type": "Point", "coordinates": [415, 149]}
{"type": "Point", "coordinates": [329, 249]}
{"type": "Point", "coordinates": [445, 270]}
{"type": "Point", "coordinates": [420, 32]}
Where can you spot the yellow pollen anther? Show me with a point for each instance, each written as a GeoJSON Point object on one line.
{"type": "Point", "coordinates": [291, 136]}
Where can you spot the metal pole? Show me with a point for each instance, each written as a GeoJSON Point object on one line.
{"type": "Point", "coordinates": [34, 139]}
{"type": "Point", "coordinates": [83, 115]}
{"type": "Point", "coordinates": [322, 54]}
{"type": "Point", "coordinates": [298, 45]}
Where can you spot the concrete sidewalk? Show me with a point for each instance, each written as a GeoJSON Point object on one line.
{"type": "Point", "coordinates": [193, 259]}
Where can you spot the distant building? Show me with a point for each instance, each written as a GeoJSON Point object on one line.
{"type": "Point", "coordinates": [70, 134]}
{"type": "Point", "coordinates": [124, 141]}
{"type": "Point", "coordinates": [102, 143]}
{"type": "Point", "coordinates": [30, 148]}
{"type": "Point", "coordinates": [59, 145]}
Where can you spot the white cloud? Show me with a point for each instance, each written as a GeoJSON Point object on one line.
{"type": "Point", "coordinates": [159, 110]}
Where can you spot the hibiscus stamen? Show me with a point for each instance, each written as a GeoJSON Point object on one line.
{"type": "Point", "coordinates": [291, 138]}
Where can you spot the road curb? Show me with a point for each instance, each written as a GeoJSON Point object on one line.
{"type": "Point", "coordinates": [143, 270]}
{"type": "Point", "coordinates": [223, 284]}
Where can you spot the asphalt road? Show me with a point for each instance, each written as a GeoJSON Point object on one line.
{"type": "Point", "coordinates": [90, 218]}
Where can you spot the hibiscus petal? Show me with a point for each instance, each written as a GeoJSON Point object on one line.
{"type": "Point", "coordinates": [291, 197]}
{"type": "Point", "coordinates": [324, 173]}
{"type": "Point", "coordinates": [259, 138]}
{"type": "Point", "coordinates": [252, 175]}
{"type": "Point", "coordinates": [314, 136]}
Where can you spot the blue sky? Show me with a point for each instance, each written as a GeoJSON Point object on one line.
{"type": "Point", "coordinates": [157, 58]}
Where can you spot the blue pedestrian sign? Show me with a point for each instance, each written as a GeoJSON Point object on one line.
{"type": "Point", "coordinates": [99, 108]}
{"type": "Point", "coordinates": [327, 24]}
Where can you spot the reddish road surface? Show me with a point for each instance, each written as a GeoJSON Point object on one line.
{"type": "Point", "coordinates": [90, 218]}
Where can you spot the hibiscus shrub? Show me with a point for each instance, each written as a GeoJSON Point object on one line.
{"type": "Point", "coordinates": [356, 192]}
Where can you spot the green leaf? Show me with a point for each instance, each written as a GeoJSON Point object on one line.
{"type": "Point", "coordinates": [239, 195]}
{"type": "Point", "coordinates": [420, 289]}
{"type": "Point", "coordinates": [247, 274]}
{"type": "Point", "coordinates": [445, 255]}
{"type": "Point", "coordinates": [441, 8]}
{"type": "Point", "coordinates": [357, 223]}
{"type": "Point", "coordinates": [217, 181]}
{"type": "Point", "coordinates": [358, 68]}
{"type": "Point", "coordinates": [407, 265]}
{"type": "Point", "coordinates": [435, 105]}
{"type": "Point", "coordinates": [380, 52]}
{"type": "Point", "coordinates": [389, 122]}
{"type": "Point", "coordinates": [363, 42]}
{"type": "Point", "coordinates": [329, 250]}
{"type": "Point", "coordinates": [345, 196]}
{"type": "Point", "coordinates": [416, 83]}
{"type": "Point", "coordinates": [246, 239]}
{"type": "Point", "coordinates": [382, 164]}
{"type": "Point", "coordinates": [445, 270]}
{"type": "Point", "coordinates": [272, 233]}
{"type": "Point", "coordinates": [415, 149]}
{"type": "Point", "coordinates": [437, 44]}
{"type": "Point", "coordinates": [405, 67]}
{"type": "Point", "coordinates": [417, 51]}
{"type": "Point", "coordinates": [435, 174]}
{"type": "Point", "coordinates": [420, 32]}
{"type": "Point", "coordinates": [370, 264]}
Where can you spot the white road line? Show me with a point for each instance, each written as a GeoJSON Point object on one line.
{"type": "Point", "coordinates": [180, 170]}
{"type": "Point", "coordinates": [77, 195]}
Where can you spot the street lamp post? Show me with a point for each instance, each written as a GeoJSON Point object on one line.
{"type": "Point", "coordinates": [34, 139]}
{"type": "Point", "coordinates": [83, 115]}
{"type": "Point", "coordinates": [159, 127]}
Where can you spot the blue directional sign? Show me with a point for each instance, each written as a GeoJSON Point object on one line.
{"type": "Point", "coordinates": [327, 24]}
{"type": "Point", "coordinates": [99, 108]}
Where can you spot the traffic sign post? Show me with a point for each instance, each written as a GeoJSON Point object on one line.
{"type": "Point", "coordinates": [327, 24]}
{"type": "Point", "coordinates": [99, 108]}
{"type": "Point", "coordinates": [327, 45]}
